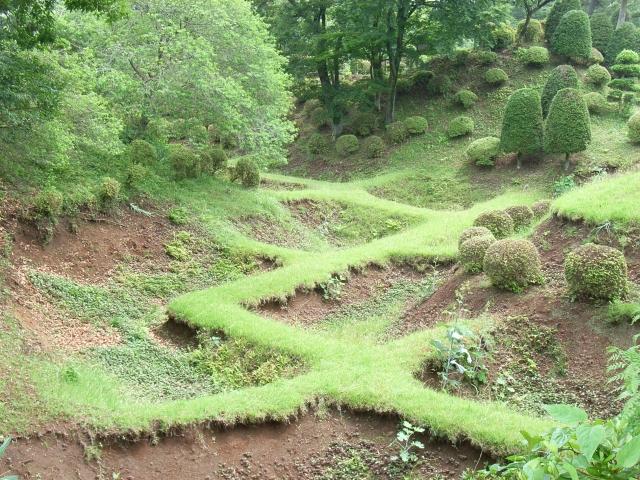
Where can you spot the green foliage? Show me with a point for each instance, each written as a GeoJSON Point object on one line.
{"type": "Point", "coordinates": [136, 175]}
{"type": "Point", "coordinates": [213, 160]}
{"type": "Point", "coordinates": [247, 172]}
{"type": "Point", "coordinates": [626, 71]}
{"type": "Point", "coordinates": [483, 151]}
{"type": "Point", "coordinates": [513, 265]}
{"type": "Point", "coordinates": [319, 117]}
{"type": "Point", "coordinates": [627, 37]}
{"type": "Point", "coordinates": [473, 232]}
{"type": "Point", "coordinates": [347, 145]}
{"type": "Point", "coordinates": [466, 98]}
{"type": "Point", "coordinates": [397, 132]}
{"type": "Point", "coordinates": [47, 204]}
{"type": "Point", "coordinates": [364, 123]}
{"type": "Point", "coordinates": [460, 358]}
{"type": "Point", "coordinates": [534, 56]}
{"type": "Point", "coordinates": [601, 30]}
{"type": "Point", "coordinates": [374, 147]}
{"type": "Point", "coordinates": [142, 152]}
{"type": "Point", "coordinates": [596, 272]}
{"type": "Point", "coordinates": [627, 57]}
{"type": "Point", "coordinates": [625, 84]}
{"type": "Point", "coordinates": [522, 216]}
{"type": "Point", "coordinates": [484, 57]}
{"type": "Point", "coordinates": [596, 103]}
{"type": "Point", "coordinates": [317, 144]}
{"type": "Point", "coordinates": [572, 37]}
{"type": "Point", "coordinates": [3, 448]}
{"type": "Point", "coordinates": [596, 57]}
{"type": "Point", "coordinates": [109, 193]}
{"type": "Point", "coordinates": [184, 161]}
{"type": "Point", "coordinates": [416, 125]}
{"type": "Point", "coordinates": [522, 125]}
{"type": "Point", "coordinates": [541, 208]}
{"type": "Point", "coordinates": [568, 126]}
{"type": "Point", "coordinates": [497, 221]}
{"type": "Point", "coordinates": [438, 85]}
{"type": "Point", "coordinates": [503, 36]}
{"type": "Point", "coordinates": [178, 216]}
{"type": "Point", "coordinates": [619, 311]}
{"type": "Point", "coordinates": [564, 184]}
{"type": "Point", "coordinates": [496, 77]}
{"type": "Point", "coordinates": [310, 105]}
{"type": "Point", "coordinates": [598, 76]}
{"type": "Point", "coordinates": [405, 439]}
{"type": "Point", "coordinates": [558, 10]}
{"type": "Point", "coordinates": [633, 128]}
{"type": "Point", "coordinates": [563, 76]}
{"type": "Point", "coordinates": [534, 32]}
{"type": "Point", "coordinates": [472, 252]}
{"type": "Point", "coordinates": [460, 127]}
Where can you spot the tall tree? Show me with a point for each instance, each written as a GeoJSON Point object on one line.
{"type": "Point", "coordinates": [530, 7]}
{"type": "Point", "coordinates": [622, 14]}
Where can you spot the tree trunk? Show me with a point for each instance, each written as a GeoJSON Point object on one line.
{"type": "Point", "coordinates": [395, 53]}
{"type": "Point", "coordinates": [592, 6]}
{"type": "Point", "coordinates": [527, 20]}
{"type": "Point", "coordinates": [519, 161]}
{"type": "Point", "coordinates": [567, 164]}
{"type": "Point", "coordinates": [622, 16]}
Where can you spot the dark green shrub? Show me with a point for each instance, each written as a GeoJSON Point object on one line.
{"type": "Point", "coordinates": [627, 101]}
{"type": "Point", "coordinates": [364, 123]}
{"type": "Point", "coordinates": [461, 57]}
{"type": "Point", "coordinates": [319, 117]}
{"type": "Point", "coordinates": [439, 85]}
{"type": "Point", "coordinates": [541, 208]}
{"type": "Point", "coordinates": [404, 85]}
{"type": "Point", "coordinates": [625, 84]}
{"type": "Point", "coordinates": [633, 128]}
{"type": "Point", "coordinates": [627, 37]}
{"type": "Point", "coordinates": [136, 174]}
{"type": "Point", "coordinates": [626, 71]}
{"type": "Point", "coordinates": [496, 76]}
{"type": "Point", "coordinates": [534, 56]}
{"type": "Point", "coordinates": [109, 193]}
{"type": "Point", "coordinates": [347, 145]}
{"type": "Point", "coordinates": [416, 125]}
{"type": "Point", "coordinates": [466, 98]}
{"type": "Point", "coordinates": [558, 10]}
{"type": "Point", "coordinates": [473, 232]}
{"type": "Point", "coordinates": [598, 76]}
{"type": "Point", "coordinates": [397, 132]}
{"type": "Point", "coordinates": [472, 252]}
{"type": "Point", "coordinates": [522, 125]}
{"type": "Point", "coordinates": [483, 151]}
{"type": "Point", "coordinates": [596, 103]}
{"type": "Point", "coordinates": [627, 57]}
{"type": "Point", "coordinates": [374, 147]}
{"type": "Point", "coordinates": [497, 221]}
{"type": "Point", "coordinates": [247, 172]}
{"type": "Point", "coordinates": [572, 38]}
{"type": "Point", "coordinates": [534, 32]}
{"type": "Point", "coordinates": [522, 216]}
{"type": "Point", "coordinates": [484, 57]}
{"type": "Point", "coordinates": [47, 204]}
{"type": "Point", "coordinates": [142, 152]}
{"type": "Point", "coordinates": [213, 160]}
{"type": "Point", "coordinates": [503, 36]}
{"type": "Point", "coordinates": [421, 79]}
{"type": "Point", "coordinates": [568, 126]}
{"type": "Point", "coordinates": [184, 161]}
{"type": "Point", "coordinates": [513, 265]}
{"type": "Point", "coordinates": [596, 272]}
{"type": "Point", "coordinates": [317, 144]}
{"type": "Point", "coordinates": [601, 30]}
{"type": "Point", "coordinates": [460, 127]}
{"type": "Point", "coordinates": [563, 76]}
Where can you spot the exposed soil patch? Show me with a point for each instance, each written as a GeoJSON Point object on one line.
{"type": "Point", "coordinates": [310, 307]}
{"type": "Point", "coordinates": [305, 449]}
{"type": "Point", "coordinates": [175, 334]}
{"type": "Point", "coordinates": [267, 230]}
{"type": "Point", "coordinates": [317, 217]}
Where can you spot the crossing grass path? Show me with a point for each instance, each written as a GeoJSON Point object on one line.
{"type": "Point", "coordinates": [356, 371]}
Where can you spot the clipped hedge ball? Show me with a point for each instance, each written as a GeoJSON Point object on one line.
{"type": "Point", "coordinates": [541, 208]}
{"type": "Point", "coordinates": [521, 215]}
{"type": "Point", "coordinates": [513, 265]}
{"type": "Point", "coordinates": [633, 126]}
{"type": "Point", "coordinates": [497, 221]}
{"type": "Point", "coordinates": [596, 272]}
{"type": "Point", "coordinates": [473, 232]}
{"type": "Point", "coordinates": [374, 147]}
{"type": "Point", "coordinates": [472, 252]}
{"type": "Point", "coordinates": [460, 127]}
{"type": "Point", "coordinates": [397, 132]}
{"type": "Point", "coordinates": [496, 76]}
{"type": "Point", "coordinates": [483, 151]}
{"type": "Point", "coordinates": [416, 125]}
{"type": "Point", "coordinates": [347, 145]}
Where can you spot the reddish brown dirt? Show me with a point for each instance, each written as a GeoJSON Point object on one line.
{"type": "Point", "coordinates": [309, 307]}
{"type": "Point", "coordinates": [302, 450]}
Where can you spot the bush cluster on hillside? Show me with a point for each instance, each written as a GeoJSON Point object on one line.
{"type": "Point", "coordinates": [522, 125]}
{"type": "Point", "coordinates": [416, 125]}
{"type": "Point", "coordinates": [596, 103]}
{"type": "Point", "coordinates": [347, 145]}
{"type": "Point", "coordinates": [247, 172]}
{"type": "Point", "coordinates": [483, 151]}
{"type": "Point", "coordinates": [522, 216]}
{"type": "Point", "coordinates": [558, 10]}
{"type": "Point", "coordinates": [497, 221]}
{"type": "Point", "coordinates": [472, 252]}
{"type": "Point", "coordinates": [397, 132]}
{"type": "Point", "coordinates": [534, 56]}
{"type": "Point", "coordinates": [460, 127]}
{"type": "Point", "coordinates": [532, 33]}
{"type": "Point", "coordinates": [496, 77]}
{"type": "Point", "coordinates": [601, 30]}
{"type": "Point", "coordinates": [572, 37]}
{"type": "Point", "coordinates": [466, 98]}
{"type": "Point", "coordinates": [563, 76]}
{"type": "Point", "coordinates": [598, 76]}
{"type": "Point", "coordinates": [374, 147]}
{"type": "Point", "coordinates": [513, 265]}
{"type": "Point", "coordinates": [597, 272]}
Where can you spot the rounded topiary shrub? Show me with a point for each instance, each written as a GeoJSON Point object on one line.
{"type": "Point", "coordinates": [541, 208]}
{"type": "Point", "coordinates": [397, 132]}
{"type": "Point", "coordinates": [596, 272]}
{"type": "Point", "coordinates": [246, 171]}
{"type": "Point", "coordinates": [596, 103]}
{"type": "Point", "coordinates": [503, 36]}
{"type": "Point", "coordinates": [627, 57]}
{"type": "Point", "coordinates": [374, 147]}
{"type": "Point", "coordinates": [347, 145]}
{"type": "Point", "coordinates": [213, 160]}
{"type": "Point", "coordinates": [598, 76]}
{"type": "Point", "coordinates": [421, 79]}
{"type": "Point", "coordinates": [558, 10]}
{"type": "Point", "coordinates": [522, 216]}
{"type": "Point", "coordinates": [601, 30]}
{"type": "Point", "coordinates": [484, 57]}
{"type": "Point", "coordinates": [317, 144]}
{"type": "Point", "coordinates": [472, 252]}
{"type": "Point", "coordinates": [563, 76]}
{"type": "Point", "coordinates": [142, 152]}
{"type": "Point", "coordinates": [633, 128]}
{"type": "Point", "coordinates": [522, 124]}
{"type": "Point", "coordinates": [572, 38]}
{"type": "Point", "coordinates": [473, 232]}
{"type": "Point", "coordinates": [534, 56]}
{"type": "Point", "coordinates": [596, 57]}
{"type": "Point", "coordinates": [497, 221]}
{"type": "Point", "coordinates": [184, 161]}
{"type": "Point", "coordinates": [109, 193]}
{"type": "Point", "coordinates": [136, 174]}
{"type": "Point", "coordinates": [364, 123]}
{"type": "Point", "coordinates": [465, 98]}
{"type": "Point", "coordinates": [513, 265]}
{"type": "Point", "coordinates": [416, 125]}
{"type": "Point", "coordinates": [438, 85]}
{"type": "Point", "coordinates": [47, 204]}
{"type": "Point", "coordinates": [483, 151]}
{"type": "Point", "coordinates": [460, 127]}
{"type": "Point", "coordinates": [496, 77]}
{"type": "Point", "coordinates": [531, 33]}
